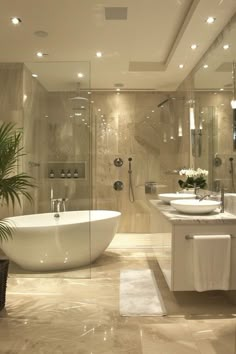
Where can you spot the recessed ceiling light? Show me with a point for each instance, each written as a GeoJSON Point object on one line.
{"type": "Point", "coordinates": [221, 89]}
{"type": "Point", "coordinates": [153, 111]}
{"type": "Point", "coordinates": [194, 46]}
{"type": "Point", "coordinates": [99, 54]}
{"type": "Point", "coordinates": [99, 109]}
{"type": "Point", "coordinates": [205, 66]}
{"type": "Point", "coordinates": [16, 20]}
{"type": "Point", "coordinates": [34, 75]}
{"type": "Point", "coordinates": [118, 89]}
{"type": "Point", "coordinates": [210, 20]}
{"type": "Point", "coordinates": [181, 66]}
{"type": "Point", "coordinates": [80, 75]}
{"type": "Point", "coordinates": [226, 46]}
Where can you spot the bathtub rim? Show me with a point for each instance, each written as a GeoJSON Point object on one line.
{"type": "Point", "coordinates": [63, 220]}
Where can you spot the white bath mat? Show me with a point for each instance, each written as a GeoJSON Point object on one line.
{"type": "Point", "coordinates": [139, 294]}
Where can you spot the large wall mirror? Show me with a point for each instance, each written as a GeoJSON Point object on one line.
{"type": "Point", "coordinates": [215, 118]}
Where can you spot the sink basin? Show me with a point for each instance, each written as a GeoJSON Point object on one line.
{"type": "Point", "coordinates": [167, 197]}
{"type": "Point", "coordinates": [194, 206]}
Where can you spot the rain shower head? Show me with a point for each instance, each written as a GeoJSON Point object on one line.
{"type": "Point", "coordinates": [163, 102]}
{"type": "Point", "coordinates": [78, 97]}
{"type": "Point", "coordinates": [170, 98]}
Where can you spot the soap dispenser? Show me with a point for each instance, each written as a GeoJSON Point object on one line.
{"type": "Point", "coordinates": [63, 174]}
{"type": "Point", "coordinates": [51, 174]}
{"type": "Point", "coordinates": [76, 174]}
{"type": "Point", "coordinates": [68, 174]}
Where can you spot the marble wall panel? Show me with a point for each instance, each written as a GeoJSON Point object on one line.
{"type": "Point", "coordinates": [68, 142]}
{"type": "Point", "coordinates": [131, 125]}
{"type": "Point", "coordinates": [35, 109]}
{"type": "Point", "coordinates": [11, 108]}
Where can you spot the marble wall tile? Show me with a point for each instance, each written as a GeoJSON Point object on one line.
{"type": "Point", "coordinates": [125, 125]}
{"type": "Point", "coordinates": [131, 125]}
{"type": "Point", "coordinates": [11, 106]}
{"type": "Point", "coordinates": [35, 110]}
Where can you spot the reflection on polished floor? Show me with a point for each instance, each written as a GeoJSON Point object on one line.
{"type": "Point", "coordinates": [81, 316]}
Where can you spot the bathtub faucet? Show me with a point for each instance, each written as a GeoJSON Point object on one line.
{"type": "Point", "coordinates": [58, 204]}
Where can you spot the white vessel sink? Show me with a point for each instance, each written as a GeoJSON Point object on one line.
{"type": "Point", "coordinates": [167, 197]}
{"type": "Point", "coordinates": [194, 206]}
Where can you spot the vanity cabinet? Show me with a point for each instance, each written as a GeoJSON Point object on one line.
{"type": "Point", "coordinates": [182, 253]}
{"type": "Point", "coordinates": [176, 260]}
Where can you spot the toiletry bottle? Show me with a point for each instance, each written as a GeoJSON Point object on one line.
{"type": "Point", "coordinates": [68, 175]}
{"type": "Point", "coordinates": [63, 174]}
{"type": "Point", "coordinates": [76, 174]}
{"type": "Point", "coordinates": [51, 174]}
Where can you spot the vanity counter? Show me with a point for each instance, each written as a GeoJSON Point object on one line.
{"type": "Point", "coordinates": [177, 260]}
{"type": "Point", "coordinates": [175, 217]}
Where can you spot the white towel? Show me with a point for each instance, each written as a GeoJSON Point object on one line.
{"type": "Point", "coordinates": [211, 261]}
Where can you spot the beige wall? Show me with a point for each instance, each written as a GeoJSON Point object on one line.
{"type": "Point", "coordinates": [131, 125]}
{"type": "Point", "coordinates": [11, 106]}
{"type": "Point", "coordinates": [125, 125]}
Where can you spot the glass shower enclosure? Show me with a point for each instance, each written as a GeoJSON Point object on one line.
{"type": "Point", "coordinates": [50, 102]}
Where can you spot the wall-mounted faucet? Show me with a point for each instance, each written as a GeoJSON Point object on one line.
{"type": "Point", "coordinates": [58, 204]}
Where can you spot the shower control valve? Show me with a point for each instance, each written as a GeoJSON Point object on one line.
{"type": "Point", "coordinates": [118, 162]}
{"type": "Point", "coordinates": [118, 185]}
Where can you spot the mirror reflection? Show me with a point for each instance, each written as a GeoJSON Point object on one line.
{"type": "Point", "coordinates": [214, 92]}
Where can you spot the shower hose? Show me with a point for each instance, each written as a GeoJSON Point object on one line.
{"type": "Point", "coordinates": [131, 190]}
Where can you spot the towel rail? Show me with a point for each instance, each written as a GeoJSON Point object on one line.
{"type": "Point", "coordinates": [190, 237]}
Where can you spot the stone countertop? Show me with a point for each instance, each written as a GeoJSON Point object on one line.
{"type": "Point", "coordinates": [175, 217]}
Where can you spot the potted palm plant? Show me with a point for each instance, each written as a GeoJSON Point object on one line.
{"type": "Point", "coordinates": [12, 186]}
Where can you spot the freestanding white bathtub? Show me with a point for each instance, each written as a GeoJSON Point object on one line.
{"type": "Point", "coordinates": [43, 242]}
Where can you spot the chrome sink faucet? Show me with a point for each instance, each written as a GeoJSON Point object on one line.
{"type": "Point", "coordinates": [204, 197]}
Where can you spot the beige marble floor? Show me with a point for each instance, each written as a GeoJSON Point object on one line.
{"type": "Point", "coordinates": [81, 316]}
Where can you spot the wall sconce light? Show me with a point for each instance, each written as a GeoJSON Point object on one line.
{"type": "Point", "coordinates": [191, 118]}
{"type": "Point", "coordinates": [233, 102]}
{"type": "Point", "coordinates": [195, 134]}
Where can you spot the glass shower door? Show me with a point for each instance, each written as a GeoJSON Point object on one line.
{"type": "Point", "coordinates": [57, 140]}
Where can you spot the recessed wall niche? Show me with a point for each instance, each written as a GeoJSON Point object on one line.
{"type": "Point", "coordinates": [61, 170]}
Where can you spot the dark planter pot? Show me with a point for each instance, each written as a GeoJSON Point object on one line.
{"type": "Point", "coordinates": [4, 263]}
